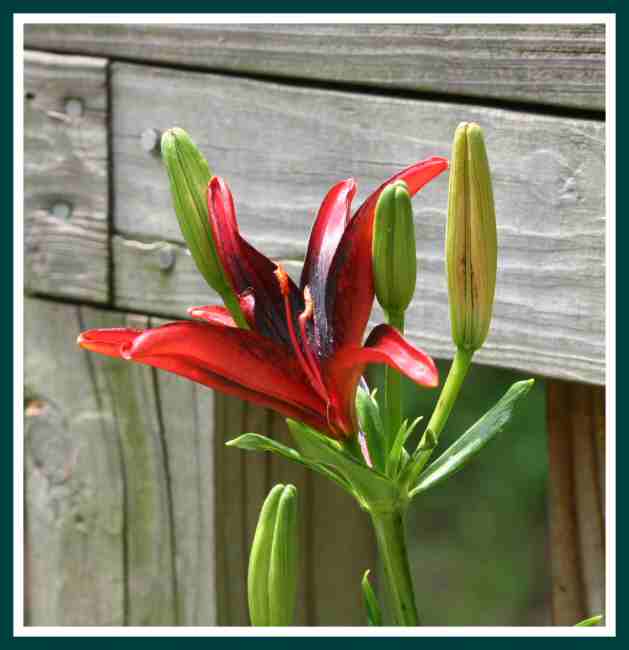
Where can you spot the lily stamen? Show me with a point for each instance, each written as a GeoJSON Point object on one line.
{"type": "Point", "coordinates": [305, 315]}
{"type": "Point", "coordinates": [317, 384]}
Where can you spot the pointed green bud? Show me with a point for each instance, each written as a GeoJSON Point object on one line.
{"type": "Point", "coordinates": [189, 175]}
{"type": "Point", "coordinates": [272, 576]}
{"type": "Point", "coordinates": [260, 559]}
{"type": "Point", "coordinates": [394, 251]}
{"type": "Point", "coordinates": [283, 570]}
{"type": "Point", "coordinates": [471, 241]}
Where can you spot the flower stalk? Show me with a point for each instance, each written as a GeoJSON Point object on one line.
{"type": "Point", "coordinates": [390, 535]}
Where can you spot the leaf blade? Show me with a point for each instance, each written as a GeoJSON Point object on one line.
{"type": "Point", "coordinates": [257, 442]}
{"type": "Point", "coordinates": [374, 615]}
{"type": "Point", "coordinates": [473, 440]}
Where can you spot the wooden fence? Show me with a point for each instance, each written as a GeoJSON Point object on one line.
{"type": "Point", "coordinates": [136, 514]}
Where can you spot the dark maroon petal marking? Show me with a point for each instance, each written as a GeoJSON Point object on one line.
{"type": "Point", "coordinates": [350, 291]}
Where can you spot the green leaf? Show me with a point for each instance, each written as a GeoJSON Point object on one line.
{"type": "Point", "coordinates": [413, 466]}
{"type": "Point", "coordinates": [256, 442]}
{"type": "Point", "coordinates": [371, 423]}
{"type": "Point", "coordinates": [473, 440]}
{"type": "Point", "coordinates": [372, 488]}
{"type": "Point", "coordinates": [589, 622]}
{"type": "Point", "coordinates": [395, 455]}
{"type": "Point", "coordinates": [374, 616]}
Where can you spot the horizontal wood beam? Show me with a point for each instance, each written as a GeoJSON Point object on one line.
{"type": "Point", "coordinates": [282, 147]}
{"type": "Point", "coordinates": [558, 65]}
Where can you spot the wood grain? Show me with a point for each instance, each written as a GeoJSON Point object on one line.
{"type": "Point", "coordinates": [560, 65]}
{"type": "Point", "coordinates": [576, 429]}
{"type": "Point", "coordinates": [66, 163]}
{"type": "Point", "coordinates": [74, 479]}
{"type": "Point", "coordinates": [119, 482]}
{"type": "Point", "coordinates": [186, 412]}
{"type": "Point", "coordinates": [281, 147]}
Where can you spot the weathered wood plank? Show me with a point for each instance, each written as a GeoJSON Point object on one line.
{"type": "Point", "coordinates": [66, 176]}
{"type": "Point", "coordinates": [576, 429]}
{"type": "Point", "coordinates": [342, 541]}
{"type": "Point", "coordinates": [282, 147]}
{"type": "Point", "coordinates": [548, 64]}
{"type": "Point", "coordinates": [231, 514]}
{"type": "Point", "coordinates": [74, 478]}
{"type": "Point", "coordinates": [187, 417]}
{"type": "Point", "coordinates": [127, 391]}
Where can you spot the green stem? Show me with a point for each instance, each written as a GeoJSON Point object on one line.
{"type": "Point", "coordinates": [389, 527]}
{"type": "Point", "coordinates": [458, 372]}
{"type": "Point", "coordinates": [393, 386]}
{"type": "Point", "coordinates": [449, 393]}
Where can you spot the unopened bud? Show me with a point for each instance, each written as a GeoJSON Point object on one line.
{"type": "Point", "coordinates": [394, 252]}
{"type": "Point", "coordinates": [272, 576]}
{"type": "Point", "coordinates": [189, 175]}
{"type": "Point", "coordinates": [471, 241]}
{"type": "Point", "coordinates": [283, 570]}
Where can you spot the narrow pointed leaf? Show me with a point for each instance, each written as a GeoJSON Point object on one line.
{"type": "Point", "coordinates": [473, 440]}
{"type": "Point", "coordinates": [371, 486]}
{"type": "Point", "coordinates": [371, 423]}
{"type": "Point", "coordinates": [592, 621]}
{"type": "Point", "coordinates": [256, 442]}
{"type": "Point", "coordinates": [415, 464]}
{"type": "Point", "coordinates": [395, 455]}
{"type": "Point", "coordinates": [374, 615]}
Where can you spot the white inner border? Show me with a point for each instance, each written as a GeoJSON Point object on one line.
{"type": "Point", "coordinates": [609, 20]}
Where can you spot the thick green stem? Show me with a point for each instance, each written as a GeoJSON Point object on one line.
{"type": "Point", "coordinates": [389, 527]}
{"type": "Point", "coordinates": [393, 386]}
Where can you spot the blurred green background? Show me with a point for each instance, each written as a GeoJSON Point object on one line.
{"type": "Point", "coordinates": [478, 542]}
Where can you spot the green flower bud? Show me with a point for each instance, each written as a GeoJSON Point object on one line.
{"type": "Point", "coordinates": [471, 241]}
{"type": "Point", "coordinates": [394, 252]}
{"type": "Point", "coordinates": [283, 570]}
{"type": "Point", "coordinates": [272, 577]}
{"type": "Point", "coordinates": [189, 175]}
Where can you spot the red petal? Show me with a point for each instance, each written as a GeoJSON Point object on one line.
{"type": "Point", "coordinates": [349, 291]}
{"type": "Point", "coordinates": [329, 226]}
{"type": "Point", "coordinates": [225, 358]}
{"type": "Point", "coordinates": [107, 341]}
{"type": "Point", "coordinates": [246, 267]}
{"type": "Point", "coordinates": [240, 356]}
{"type": "Point", "coordinates": [384, 345]}
{"type": "Point", "coordinates": [212, 314]}
{"type": "Point", "coordinates": [211, 380]}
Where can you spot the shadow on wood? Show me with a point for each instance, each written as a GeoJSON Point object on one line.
{"type": "Point", "coordinates": [576, 428]}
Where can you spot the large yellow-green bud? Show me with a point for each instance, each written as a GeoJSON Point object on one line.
{"type": "Point", "coordinates": [394, 252]}
{"type": "Point", "coordinates": [189, 175]}
{"type": "Point", "coordinates": [471, 242]}
{"type": "Point", "coordinates": [272, 578]}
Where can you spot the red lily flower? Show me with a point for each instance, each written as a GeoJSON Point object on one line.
{"type": "Point", "coordinates": [303, 355]}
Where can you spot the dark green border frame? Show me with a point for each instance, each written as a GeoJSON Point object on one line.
{"type": "Point", "coordinates": [6, 273]}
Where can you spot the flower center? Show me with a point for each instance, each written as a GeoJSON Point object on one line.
{"type": "Point", "coordinates": [302, 349]}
